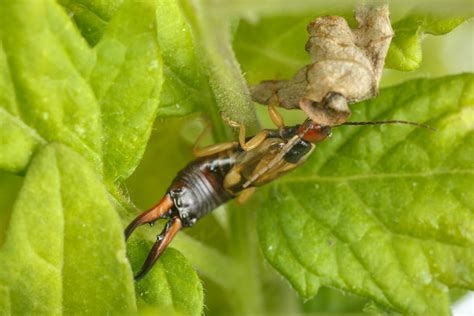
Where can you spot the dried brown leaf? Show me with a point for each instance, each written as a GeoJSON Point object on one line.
{"type": "Point", "coordinates": [346, 65]}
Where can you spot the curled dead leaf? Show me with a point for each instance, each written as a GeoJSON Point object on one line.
{"type": "Point", "coordinates": [346, 66]}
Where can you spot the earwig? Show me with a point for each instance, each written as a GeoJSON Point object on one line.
{"type": "Point", "coordinates": [226, 171]}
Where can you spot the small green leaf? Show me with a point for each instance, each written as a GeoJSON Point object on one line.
{"type": "Point", "coordinates": [405, 50]}
{"type": "Point", "coordinates": [171, 286]}
{"type": "Point", "coordinates": [64, 249]}
{"type": "Point", "coordinates": [383, 213]}
{"type": "Point", "coordinates": [185, 88]}
{"type": "Point", "coordinates": [126, 80]}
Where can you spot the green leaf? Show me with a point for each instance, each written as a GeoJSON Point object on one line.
{"type": "Point", "coordinates": [92, 16]}
{"type": "Point", "coordinates": [405, 51]}
{"type": "Point", "coordinates": [64, 250]}
{"type": "Point", "coordinates": [43, 61]}
{"type": "Point", "coordinates": [172, 286]}
{"type": "Point", "coordinates": [384, 212]}
{"type": "Point", "coordinates": [185, 86]}
{"type": "Point", "coordinates": [127, 80]}
{"type": "Point", "coordinates": [55, 88]}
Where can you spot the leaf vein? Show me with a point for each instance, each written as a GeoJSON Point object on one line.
{"type": "Point", "coordinates": [381, 224]}
{"type": "Point", "coordinates": [20, 123]}
{"type": "Point", "coordinates": [349, 246]}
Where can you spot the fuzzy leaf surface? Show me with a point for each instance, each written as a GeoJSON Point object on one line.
{"type": "Point", "coordinates": [64, 249]}
{"type": "Point", "coordinates": [185, 85]}
{"type": "Point", "coordinates": [383, 212]}
{"type": "Point", "coordinates": [55, 88]}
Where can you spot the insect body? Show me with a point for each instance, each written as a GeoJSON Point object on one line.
{"type": "Point", "coordinates": [224, 172]}
{"type": "Point", "coordinates": [232, 170]}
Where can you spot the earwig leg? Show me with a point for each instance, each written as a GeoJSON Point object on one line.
{"type": "Point", "coordinates": [210, 150]}
{"type": "Point", "coordinates": [253, 142]}
{"type": "Point", "coordinates": [213, 149]}
{"type": "Point", "coordinates": [272, 163]}
{"type": "Point", "coordinates": [276, 117]}
{"type": "Point", "coordinates": [232, 178]}
{"type": "Point", "coordinates": [156, 212]}
{"type": "Point", "coordinates": [245, 195]}
{"type": "Point", "coordinates": [173, 226]}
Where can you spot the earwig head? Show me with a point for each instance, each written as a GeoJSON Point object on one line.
{"type": "Point", "coordinates": [314, 132]}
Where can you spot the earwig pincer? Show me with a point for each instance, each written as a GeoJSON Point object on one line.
{"type": "Point", "coordinates": [230, 170]}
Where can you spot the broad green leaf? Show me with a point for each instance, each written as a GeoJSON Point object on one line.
{"type": "Point", "coordinates": [64, 249]}
{"type": "Point", "coordinates": [18, 142]}
{"type": "Point", "coordinates": [383, 213]}
{"type": "Point", "coordinates": [43, 62]}
{"type": "Point", "coordinates": [54, 87]}
{"type": "Point", "coordinates": [405, 51]}
{"type": "Point", "coordinates": [172, 286]}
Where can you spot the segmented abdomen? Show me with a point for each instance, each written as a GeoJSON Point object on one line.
{"type": "Point", "coordinates": [199, 187]}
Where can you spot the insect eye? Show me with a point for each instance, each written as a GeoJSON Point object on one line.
{"type": "Point", "coordinates": [326, 130]}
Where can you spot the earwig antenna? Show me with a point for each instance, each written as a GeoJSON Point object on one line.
{"type": "Point", "coordinates": [390, 122]}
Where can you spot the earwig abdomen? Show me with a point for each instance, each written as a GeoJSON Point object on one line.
{"type": "Point", "coordinates": [198, 188]}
